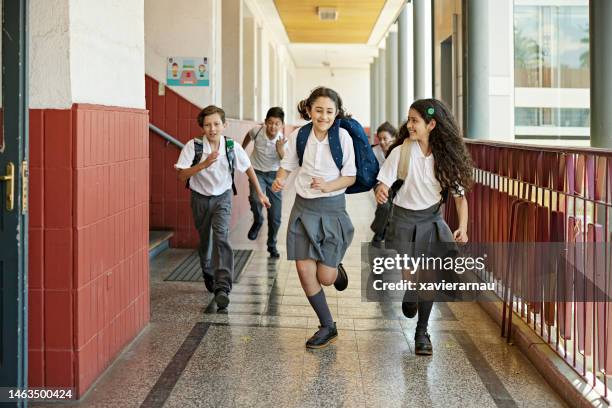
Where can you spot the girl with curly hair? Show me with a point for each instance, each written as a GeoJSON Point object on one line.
{"type": "Point", "coordinates": [438, 163]}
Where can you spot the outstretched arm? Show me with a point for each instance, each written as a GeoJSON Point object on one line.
{"type": "Point", "coordinates": [462, 212]}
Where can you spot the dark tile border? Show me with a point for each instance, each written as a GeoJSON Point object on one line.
{"type": "Point", "coordinates": [168, 379]}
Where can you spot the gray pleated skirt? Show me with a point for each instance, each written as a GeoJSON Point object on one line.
{"type": "Point", "coordinates": [419, 232]}
{"type": "Point", "coordinates": [319, 229]}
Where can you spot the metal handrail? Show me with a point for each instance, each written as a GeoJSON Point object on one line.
{"type": "Point", "coordinates": [166, 136]}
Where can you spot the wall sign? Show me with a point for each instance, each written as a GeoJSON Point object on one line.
{"type": "Point", "coordinates": [187, 71]}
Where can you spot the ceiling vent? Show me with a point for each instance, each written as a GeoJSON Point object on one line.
{"type": "Point", "coordinates": [327, 13]}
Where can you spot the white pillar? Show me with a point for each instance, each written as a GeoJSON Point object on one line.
{"type": "Point", "coordinates": [249, 69]}
{"type": "Point", "coordinates": [391, 103]}
{"type": "Point", "coordinates": [405, 62]}
{"type": "Point", "coordinates": [423, 62]}
{"type": "Point", "coordinates": [231, 37]}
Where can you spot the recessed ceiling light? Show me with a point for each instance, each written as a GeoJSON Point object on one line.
{"type": "Point", "coordinates": [327, 13]}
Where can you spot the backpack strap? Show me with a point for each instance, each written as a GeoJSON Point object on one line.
{"type": "Point", "coordinates": [404, 162]}
{"type": "Point", "coordinates": [198, 147]}
{"type": "Point", "coordinates": [231, 159]}
{"type": "Point", "coordinates": [198, 150]}
{"type": "Point", "coordinates": [301, 140]}
{"type": "Point", "coordinates": [257, 134]}
{"type": "Point", "coordinates": [333, 136]}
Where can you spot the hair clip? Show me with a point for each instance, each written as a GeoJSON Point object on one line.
{"type": "Point", "coordinates": [431, 111]}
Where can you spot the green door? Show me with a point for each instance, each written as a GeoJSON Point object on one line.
{"type": "Point", "coordinates": [13, 191]}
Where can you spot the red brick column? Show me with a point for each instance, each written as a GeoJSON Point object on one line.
{"type": "Point", "coordinates": [88, 259]}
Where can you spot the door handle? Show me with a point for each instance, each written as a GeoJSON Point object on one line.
{"type": "Point", "coordinates": [10, 186]}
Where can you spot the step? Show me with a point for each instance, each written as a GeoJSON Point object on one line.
{"type": "Point", "coordinates": [159, 241]}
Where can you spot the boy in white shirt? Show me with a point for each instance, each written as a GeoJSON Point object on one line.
{"type": "Point", "coordinates": [269, 147]}
{"type": "Point", "coordinates": [211, 181]}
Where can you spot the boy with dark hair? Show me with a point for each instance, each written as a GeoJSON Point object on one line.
{"type": "Point", "coordinates": [269, 147]}
{"type": "Point", "coordinates": [207, 165]}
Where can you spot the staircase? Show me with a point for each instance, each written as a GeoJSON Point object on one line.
{"type": "Point", "coordinates": [159, 241]}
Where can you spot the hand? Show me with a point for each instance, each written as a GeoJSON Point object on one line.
{"type": "Point", "coordinates": [280, 145]}
{"type": "Point", "coordinates": [319, 183]}
{"type": "Point", "coordinates": [382, 193]}
{"type": "Point", "coordinates": [210, 160]}
{"type": "Point", "coordinates": [460, 235]}
{"type": "Point", "coordinates": [264, 200]}
{"type": "Point", "coordinates": [278, 185]}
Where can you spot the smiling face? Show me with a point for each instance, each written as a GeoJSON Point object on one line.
{"type": "Point", "coordinates": [323, 113]}
{"type": "Point", "coordinates": [418, 130]}
{"type": "Point", "coordinates": [273, 126]}
{"type": "Point", "coordinates": [385, 139]}
{"type": "Point", "coordinates": [212, 127]}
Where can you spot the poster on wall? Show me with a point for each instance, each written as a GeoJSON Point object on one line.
{"type": "Point", "coordinates": [187, 71]}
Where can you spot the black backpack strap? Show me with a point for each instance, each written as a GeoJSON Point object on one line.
{"type": "Point", "coordinates": [257, 134]}
{"type": "Point", "coordinates": [231, 159]}
{"type": "Point", "coordinates": [198, 148]}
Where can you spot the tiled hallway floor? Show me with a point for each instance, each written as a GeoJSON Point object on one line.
{"type": "Point", "coordinates": [192, 356]}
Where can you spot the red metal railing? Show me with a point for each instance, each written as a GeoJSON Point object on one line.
{"type": "Point", "coordinates": [546, 194]}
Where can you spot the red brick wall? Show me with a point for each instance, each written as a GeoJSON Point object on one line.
{"type": "Point", "coordinates": [169, 200]}
{"type": "Point", "coordinates": [88, 240]}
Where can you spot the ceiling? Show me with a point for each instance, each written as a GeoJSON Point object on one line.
{"type": "Point", "coordinates": [356, 20]}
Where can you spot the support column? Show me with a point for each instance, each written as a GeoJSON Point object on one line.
{"type": "Point", "coordinates": [600, 33]}
{"type": "Point", "coordinates": [372, 98]}
{"type": "Point", "coordinates": [380, 85]}
{"type": "Point", "coordinates": [405, 62]}
{"type": "Point", "coordinates": [423, 62]}
{"type": "Point", "coordinates": [231, 37]}
{"type": "Point", "coordinates": [477, 78]}
{"type": "Point", "coordinates": [249, 69]}
{"type": "Point", "coordinates": [391, 103]}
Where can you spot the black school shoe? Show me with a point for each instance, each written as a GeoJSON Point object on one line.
{"type": "Point", "coordinates": [422, 344]}
{"type": "Point", "coordinates": [341, 280]}
{"type": "Point", "coordinates": [409, 308]}
{"type": "Point", "coordinates": [323, 337]}
{"type": "Point", "coordinates": [273, 253]}
{"type": "Point", "coordinates": [254, 231]}
{"type": "Point", "coordinates": [222, 299]}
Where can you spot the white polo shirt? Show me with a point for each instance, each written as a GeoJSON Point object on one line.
{"type": "Point", "coordinates": [216, 179]}
{"type": "Point", "coordinates": [421, 189]}
{"type": "Point", "coordinates": [264, 156]}
{"type": "Point", "coordinates": [318, 162]}
{"type": "Point", "coordinates": [379, 154]}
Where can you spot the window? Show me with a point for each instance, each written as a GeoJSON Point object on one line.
{"type": "Point", "coordinates": [551, 46]}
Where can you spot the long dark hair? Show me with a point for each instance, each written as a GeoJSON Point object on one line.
{"type": "Point", "coordinates": [316, 93]}
{"type": "Point", "coordinates": [452, 162]}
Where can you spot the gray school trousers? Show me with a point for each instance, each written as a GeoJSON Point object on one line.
{"type": "Point", "coordinates": [214, 213]}
{"type": "Point", "coordinates": [266, 178]}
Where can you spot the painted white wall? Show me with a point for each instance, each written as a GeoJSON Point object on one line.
{"type": "Point", "coordinates": [86, 51]}
{"type": "Point", "coordinates": [353, 86]}
{"type": "Point", "coordinates": [184, 28]}
{"type": "Point", "coordinates": [49, 54]}
{"type": "Point", "coordinates": [107, 52]}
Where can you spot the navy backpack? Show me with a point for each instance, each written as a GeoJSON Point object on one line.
{"type": "Point", "coordinates": [365, 161]}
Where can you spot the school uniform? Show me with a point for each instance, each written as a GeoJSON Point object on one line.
{"type": "Point", "coordinates": [379, 154]}
{"type": "Point", "coordinates": [266, 162]}
{"type": "Point", "coordinates": [319, 226]}
{"type": "Point", "coordinates": [416, 226]}
{"type": "Point", "coordinates": [211, 205]}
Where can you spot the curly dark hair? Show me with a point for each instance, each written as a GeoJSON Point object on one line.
{"type": "Point", "coordinates": [316, 93]}
{"type": "Point", "coordinates": [452, 162]}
